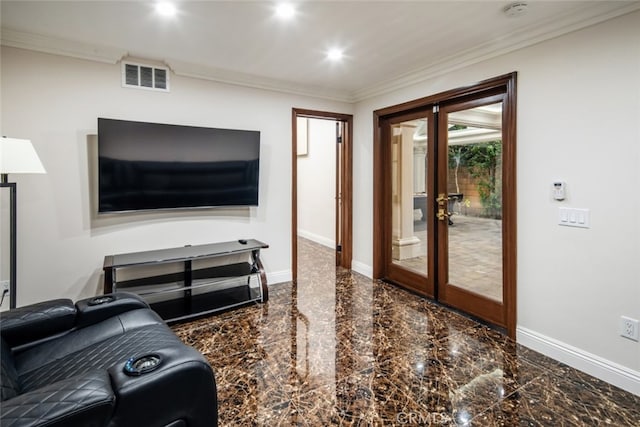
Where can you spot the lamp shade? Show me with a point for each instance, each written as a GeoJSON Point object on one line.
{"type": "Point", "coordinates": [19, 156]}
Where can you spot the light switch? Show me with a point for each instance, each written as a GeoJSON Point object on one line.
{"type": "Point", "coordinates": [572, 217]}
{"type": "Point", "coordinates": [564, 215]}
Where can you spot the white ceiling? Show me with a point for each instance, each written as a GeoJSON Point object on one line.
{"type": "Point", "coordinates": [387, 44]}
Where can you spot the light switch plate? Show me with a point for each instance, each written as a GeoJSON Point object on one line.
{"type": "Point", "coordinates": [572, 217]}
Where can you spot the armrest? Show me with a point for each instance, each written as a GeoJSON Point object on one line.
{"type": "Point", "coordinates": [36, 321]}
{"type": "Point", "coordinates": [181, 388]}
{"type": "Point", "coordinates": [83, 400]}
{"type": "Point", "coordinates": [102, 307]}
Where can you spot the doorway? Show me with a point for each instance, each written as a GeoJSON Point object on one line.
{"type": "Point", "coordinates": [444, 199]}
{"type": "Point", "coordinates": [339, 167]}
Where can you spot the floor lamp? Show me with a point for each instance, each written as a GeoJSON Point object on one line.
{"type": "Point", "coordinates": [16, 156]}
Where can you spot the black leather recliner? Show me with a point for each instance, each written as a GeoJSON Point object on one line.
{"type": "Point", "coordinates": [105, 361]}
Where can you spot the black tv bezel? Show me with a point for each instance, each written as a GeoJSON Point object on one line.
{"type": "Point", "coordinates": [176, 208]}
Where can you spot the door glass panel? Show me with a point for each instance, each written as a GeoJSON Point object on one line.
{"type": "Point", "coordinates": [408, 195]}
{"type": "Point", "coordinates": [474, 182]}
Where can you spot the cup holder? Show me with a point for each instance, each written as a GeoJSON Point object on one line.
{"type": "Point", "coordinates": [137, 366]}
{"type": "Point", "coordinates": [104, 299]}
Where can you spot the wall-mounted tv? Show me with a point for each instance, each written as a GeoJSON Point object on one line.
{"type": "Point", "coordinates": [147, 166]}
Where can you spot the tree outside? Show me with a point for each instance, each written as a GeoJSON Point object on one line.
{"type": "Point", "coordinates": [482, 163]}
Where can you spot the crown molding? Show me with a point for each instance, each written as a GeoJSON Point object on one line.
{"type": "Point", "coordinates": [219, 75]}
{"type": "Point", "coordinates": [519, 39]}
{"type": "Point", "coordinates": [65, 47]}
{"type": "Point", "coordinates": [58, 46]}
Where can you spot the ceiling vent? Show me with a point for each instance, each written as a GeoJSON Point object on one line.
{"type": "Point", "coordinates": [145, 77]}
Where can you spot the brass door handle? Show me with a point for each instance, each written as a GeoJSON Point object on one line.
{"type": "Point", "coordinates": [442, 214]}
{"type": "Point", "coordinates": [442, 199]}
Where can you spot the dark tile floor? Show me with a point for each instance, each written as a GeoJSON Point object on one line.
{"type": "Point", "coordinates": [341, 349]}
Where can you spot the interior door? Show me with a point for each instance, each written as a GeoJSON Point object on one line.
{"type": "Point", "coordinates": [470, 207]}
{"type": "Point", "coordinates": [409, 194]}
{"type": "Point", "coordinates": [344, 181]}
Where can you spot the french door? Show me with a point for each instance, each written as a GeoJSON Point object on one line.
{"type": "Point", "coordinates": [445, 199]}
{"type": "Point", "coordinates": [409, 186]}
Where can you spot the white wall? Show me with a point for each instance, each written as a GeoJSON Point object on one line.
{"type": "Point", "coordinates": [317, 184]}
{"type": "Point", "coordinates": [55, 101]}
{"type": "Point", "coordinates": [578, 101]}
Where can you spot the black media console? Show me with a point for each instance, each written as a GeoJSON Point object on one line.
{"type": "Point", "coordinates": [189, 281]}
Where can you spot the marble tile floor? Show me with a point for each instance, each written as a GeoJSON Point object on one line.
{"type": "Point", "coordinates": [340, 349]}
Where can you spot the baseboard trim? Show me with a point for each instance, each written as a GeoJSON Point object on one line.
{"type": "Point", "coordinates": [279, 277]}
{"type": "Point", "coordinates": [362, 268]}
{"type": "Point", "coordinates": [606, 370]}
{"type": "Point", "coordinates": [324, 241]}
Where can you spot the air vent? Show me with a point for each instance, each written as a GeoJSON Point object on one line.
{"type": "Point", "coordinates": [145, 77]}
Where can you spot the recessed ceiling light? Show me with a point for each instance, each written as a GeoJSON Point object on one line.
{"type": "Point", "coordinates": [335, 54]}
{"type": "Point", "coordinates": [166, 8]}
{"type": "Point", "coordinates": [285, 11]}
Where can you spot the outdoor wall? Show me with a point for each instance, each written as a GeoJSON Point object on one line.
{"type": "Point", "coordinates": [55, 101]}
{"type": "Point", "coordinates": [468, 185]}
{"type": "Point", "coordinates": [317, 184]}
{"type": "Point", "coordinates": [578, 119]}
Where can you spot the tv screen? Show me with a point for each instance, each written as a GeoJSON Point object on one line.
{"type": "Point", "coordinates": [143, 166]}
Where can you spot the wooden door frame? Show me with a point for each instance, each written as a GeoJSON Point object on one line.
{"type": "Point", "coordinates": [505, 83]}
{"type": "Point", "coordinates": [346, 178]}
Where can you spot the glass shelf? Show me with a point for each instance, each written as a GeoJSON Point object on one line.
{"type": "Point", "coordinates": [178, 295]}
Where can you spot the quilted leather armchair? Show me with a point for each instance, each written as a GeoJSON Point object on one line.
{"type": "Point", "coordinates": [105, 361]}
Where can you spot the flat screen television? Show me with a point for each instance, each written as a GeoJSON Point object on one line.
{"type": "Point", "coordinates": [148, 166]}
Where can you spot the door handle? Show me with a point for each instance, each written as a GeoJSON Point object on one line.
{"type": "Point", "coordinates": [442, 215]}
{"type": "Point", "coordinates": [442, 199]}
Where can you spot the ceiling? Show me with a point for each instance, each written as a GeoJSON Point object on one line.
{"type": "Point", "coordinates": [387, 44]}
